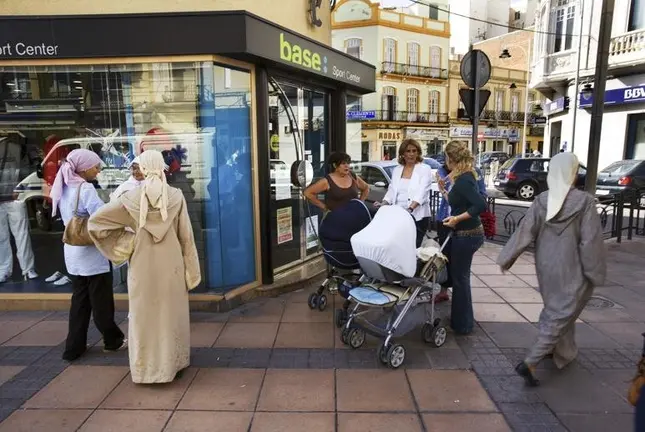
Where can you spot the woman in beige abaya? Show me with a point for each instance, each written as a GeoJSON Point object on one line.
{"type": "Point", "coordinates": [149, 227]}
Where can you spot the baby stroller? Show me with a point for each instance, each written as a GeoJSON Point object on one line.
{"type": "Point", "coordinates": [343, 269]}
{"type": "Point", "coordinates": [387, 254]}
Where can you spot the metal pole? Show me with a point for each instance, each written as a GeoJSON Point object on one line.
{"type": "Point", "coordinates": [526, 98]}
{"type": "Point", "coordinates": [576, 85]}
{"type": "Point", "coordinates": [600, 76]}
{"type": "Point", "coordinates": [475, 68]}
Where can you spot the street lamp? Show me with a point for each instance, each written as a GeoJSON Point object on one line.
{"type": "Point", "coordinates": [505, 55]}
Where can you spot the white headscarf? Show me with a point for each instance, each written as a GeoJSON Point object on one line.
{"type": "Point", "coordinates": [154, 187]}
{"type": "Point", "coordinates": [128, 185]}
{"type": "Point", "coordinates": [563, 169]}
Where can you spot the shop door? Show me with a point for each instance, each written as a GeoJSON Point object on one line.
{"type": "Point", "coordinates": [298, 120]}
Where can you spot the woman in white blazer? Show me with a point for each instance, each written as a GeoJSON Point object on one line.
{"type": "Point", "coordinates": [410, 186]}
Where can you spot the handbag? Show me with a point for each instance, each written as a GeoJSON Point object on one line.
{"type": "Point", "coordinates": [76, 233]}
{"type": "Point", "coordinates": [488, 221]}
{"type": "Point", "coordinates": [636, 387]}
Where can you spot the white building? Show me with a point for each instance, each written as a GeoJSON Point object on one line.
{"type": "Point", "coordinates": [555, 62]}
{"type": "Point", "coordinates": [491, 19]}
{"type": "Point", "coordinates": [410, 53]}
{"type": "Point", "coordinates": [523, 15]}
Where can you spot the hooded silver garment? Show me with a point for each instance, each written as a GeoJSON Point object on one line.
{"type": "Point", "coordinates": [570, 261]}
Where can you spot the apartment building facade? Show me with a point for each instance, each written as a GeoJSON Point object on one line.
{"type": "Point", "coordinates": [410, 53]}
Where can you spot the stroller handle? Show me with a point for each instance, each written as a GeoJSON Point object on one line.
{"type": "Point", "coordinates": [445, 242]}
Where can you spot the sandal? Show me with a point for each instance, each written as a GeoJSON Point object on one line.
{"type": "Point", "coordinates": [442, 297]}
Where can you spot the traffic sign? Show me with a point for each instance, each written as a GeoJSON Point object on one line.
{"type": "Point", "coordinates": [479, 77]}
{"type": "Point", "coordinates": [468, 98]}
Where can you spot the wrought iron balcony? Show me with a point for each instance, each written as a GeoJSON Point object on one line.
{"type": "Point", "coordinates": [627, 48]}
{"type": "Point", "coordinates": [413, 70]}
{"type": "Point", "coordinates": [505, 116]}
{"type": "Point", "coordinates": [405, 117]}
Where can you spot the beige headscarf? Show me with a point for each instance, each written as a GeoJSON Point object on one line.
{"type": "Point", "coordinates": [563, 169]}
{"type": "Point", "coordinates": [154, 191]}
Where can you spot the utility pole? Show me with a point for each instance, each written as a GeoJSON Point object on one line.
{"type": "Point", "coordinates": [598, 106]}
{"type": "Point", "coordinates": [576, 85]}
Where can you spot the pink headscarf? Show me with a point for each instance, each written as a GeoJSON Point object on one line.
{"type": "Point", "coordinates": [76, 162]}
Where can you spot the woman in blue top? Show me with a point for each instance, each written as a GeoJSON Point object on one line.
{"type": "Point", "coordinates": [444, 212]}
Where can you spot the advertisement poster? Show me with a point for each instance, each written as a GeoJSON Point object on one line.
{"type": "Point", "coordinates": [285, 225]}
{"type": "Point", "coordinates": [282, 184]}
{"type": "Point", "coordinates": [311, 225]}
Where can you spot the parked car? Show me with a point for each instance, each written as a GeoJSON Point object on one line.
{"type": "Point", "coordinates": [621, 176]}
{"type": "Point", "coordinates": [526, 178]}
{"type": "Point", "coordinates": [487, 158]}
{"type": "Point", "coordinates": [378, 176]}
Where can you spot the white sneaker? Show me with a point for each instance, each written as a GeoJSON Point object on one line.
{"type": "Point", "coordinates": [30, 275]}
{"type": "Point", "coordinates": [63, 281]}
{"type": "Point", "coordinates": [124, 346]}
{"type": "Point", "coordinates": [54, 277]}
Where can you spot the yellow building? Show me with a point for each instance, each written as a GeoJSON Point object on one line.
{"type": "Point", "coordinates": [411, 57]}
{"type": "Point", "coordinates": [235, 92]}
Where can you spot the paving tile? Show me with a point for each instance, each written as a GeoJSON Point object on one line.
{"type": "Point", "coordinates": [248, 335]}
{"type": "Point", "coordinates": [204, 421]}
{"type": "Point", "coordinates": [447, 358]}
{"type": "Point", "coordinates": [465, 422]}
{"type": "Point", "coordinates": [378, 422]}
{"type": "Point", "coordinates": [449, 391]}
{"type": "Point", "coordinates": [128, 395]}
{"type": "Point", "coordinates": [297, 390]}
{"type": "Point", "coordinates": [204, 334]}
{"type": "Point", "coordinates": [531, 417]}
{"type": "Point", "coordinates": [489, 312]}
{"type": "Point", "coordinates": [372, 391]}
{"type": "Point", "coordinates": [588, 337]}
{"type": "Point", "coordinates": [131, 421]}
{"type": "Point", "coordinates": [10, 329]}
{"type": "Point", "coordinates": [608, 315]}
{"type": "Point", "coordinates": [475, 282]}
{"type": "Point", "coordinates": [270, 310]}
{"type": "Point", "coordinates": [305, 335]}
{"type": "Point", "coordinates": [530, 280]}
{"type": "Point", "coordinates": [293, 422]}
{"type": "Point", "coordinates": [485, 295]}
{"type": "Point", "coordinates": [44, 333]}
{"type": "Point", "coordinates": [503, 281]}
{"type": "Point", "coordinates": [511, 335]}
{"type": "Point", "coordinates": [79, 387]}
{"type": "Point", "coordinates": [300, 313]}
{"type": "Point", "coordinates": [523, 269]}
{"type": "Point", "coordinates": [628, 335]}
{"type": "Point", "coordinates": [618, 380]}
{"type": "Point", "coordinates": [33, 316]}
{"type": "Point", "coordinates": [223, 390]}
{"type": "Point", "coordinates": [530, 311]}
{"type": "Point", "coordinates": [299, 296]}
{"type": "Point", "coordinates": [8, 372]}
{"type": "Point", "coordinates": [486, 269]}
{"type": "Point", "coordinates": [597, 422]}
{"type": "Point", "coordinates": [576, 391]}
{"type": "Point", "coordinates": [509, 389]}
{"type": "Point", "coordinates": [479, 259]}
{"type": "Point", "coordinates": [608, 359]}
{"type": "Point", "coordinates": [519, 295]}
{"type": "Point", "coordinates": [44, 420]}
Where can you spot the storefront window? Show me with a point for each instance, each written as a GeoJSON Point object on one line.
{"type": "Point", "coordinates": [186, 110]}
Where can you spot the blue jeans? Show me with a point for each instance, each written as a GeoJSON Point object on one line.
{"type": "Point", "coordinates": [462, 250]}
{"type": "Point", "coordinates": [640, 412]}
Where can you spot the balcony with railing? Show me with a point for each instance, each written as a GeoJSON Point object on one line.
{"type": "Point", "coordinates": [492, 115]}
{"type": "Point", "coordinates": [413, 70]}
{"type": "Point", "coordinates": [404, 117]}
{"type": "Point", "coordinates": [627, 49]}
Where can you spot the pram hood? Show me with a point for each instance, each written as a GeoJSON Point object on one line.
{"type": "Point", "coordinates": [389, 240]}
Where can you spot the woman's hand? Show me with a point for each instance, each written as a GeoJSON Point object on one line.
{"type": "Point", "coordinates": [451, 221]}
{"type": "Point", "coordinates": [441, 182]}
{"type": "Point", "coordinates": [380, 204]}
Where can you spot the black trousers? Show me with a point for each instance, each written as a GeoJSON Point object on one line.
{"type": "Point", "coordinates": [92, 296]}
{"type": "Point", "coordinates": [442, 234]}
{"type": "Point", "coordinates": [422, 229]}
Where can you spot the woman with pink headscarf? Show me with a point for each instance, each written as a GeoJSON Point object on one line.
{"type": "Point", "coordinates": [90, 270]}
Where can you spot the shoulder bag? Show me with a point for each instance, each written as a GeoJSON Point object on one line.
{"type": "Point", "coordinates": [76, 233]}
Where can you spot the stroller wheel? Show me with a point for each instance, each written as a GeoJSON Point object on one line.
{"type": "Point", "coordinates": [381, 353]}
{"type": "Point", "coordinates": [439, 335]}
{"type": "Point", "coordinates": [344, 336]}
{"type": "Point", "coordinates": [356, 338]}
{"type": "Point", "coordinates": [313, 301]}
{"type": "Point", "coordinates": [340, 317]}
{"type": "Point", "coordinates": [322, 302]}
{"type": "Point", "coordinates": [395, 356]}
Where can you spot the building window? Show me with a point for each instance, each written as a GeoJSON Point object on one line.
{"type": "Point", "coordinates": [515, 103]}
{"type": "Point", "coordinates": [499, 100]}
{"type": "Point", "coordinates": [564, 16]}
{"type": "Point", "coordinates": [518, 15]}
{"type": "Point", "coordinates": [413, 58]}
{"type": "Point", "coordinates": [435, 61]}
{"type": "Point", "coordinates": [389, 54]}
{"type": "Point", "coordinates": [434, 11]}
{"type": "Point", "coordinates": [388, 99]}
{"type": "Point", "coordinates": [433, 101]}
{"type": "Point", "coordinates": [636, 15]}
{"type": "Point", "coordinates": [354, 47]}
{"type": "Point", "coordinates": [413, 100]}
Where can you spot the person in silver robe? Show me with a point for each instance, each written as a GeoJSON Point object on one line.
{"type": "Point", "coordinates": [570, 261]}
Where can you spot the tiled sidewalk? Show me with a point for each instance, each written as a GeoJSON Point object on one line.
{"type": "Point", "coordinates": [274, 365]}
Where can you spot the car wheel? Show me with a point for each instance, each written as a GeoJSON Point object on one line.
{"type": "Point", "coordinates": [43, 217]}
{"type": "Point", "coordinates": [526, 191]}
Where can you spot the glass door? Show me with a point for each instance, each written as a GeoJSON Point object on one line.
{"type": "Point", "coordinates": [298, 122]}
